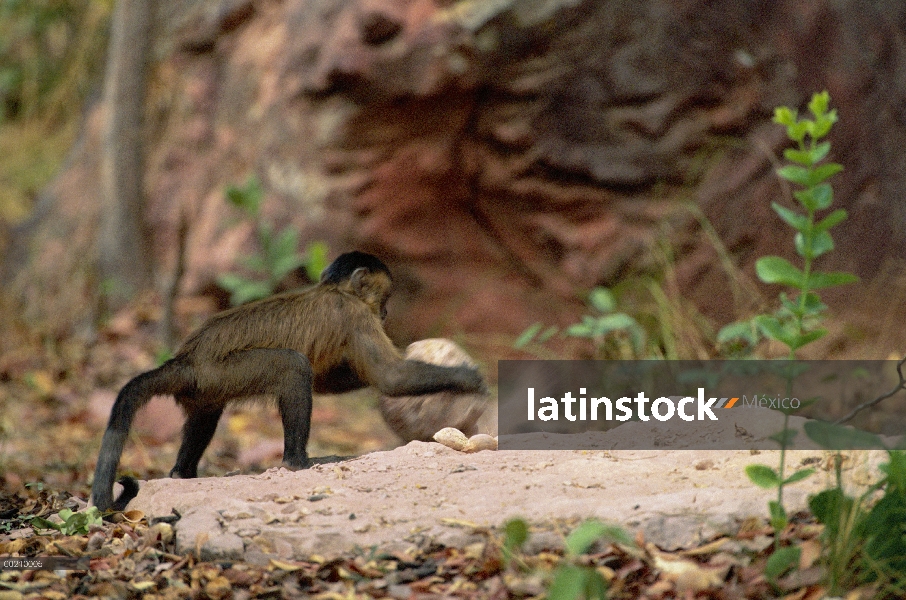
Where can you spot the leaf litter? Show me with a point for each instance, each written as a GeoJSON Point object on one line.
{"type": "Point", "coordinates": [49, 439]}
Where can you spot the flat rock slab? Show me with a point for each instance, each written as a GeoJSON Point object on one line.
{"type": "Point", "coordinates": [428, 492]}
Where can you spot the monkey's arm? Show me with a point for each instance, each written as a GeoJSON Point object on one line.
{"type": "Point", "coordinates": [413, 378]}
{"type": "Point", "coordinates": [375, 359]}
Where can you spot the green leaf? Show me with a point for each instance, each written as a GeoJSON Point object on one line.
{"type": "Point", "coordinates": [829, 506]}
{"type": "Point", "coordinates": [763, 476]}
{"type": "Point", "coordinates": [820, 151]}
{"type": "Point", "coordinates": [803, 157]}
{"type": "Point", "coordinates": [595, 586]}
{"type": "Point", "coordinates": [772, 328]}
{"type": "Point", "coordinates": [614, 322]}
{"type": "Point", "coordinates": [821, 242]}
{"type": "Point", "coordinates": [315, 259]}
{"type": "Point", "coordinates": [602, 300]}
{"type": "Point", "coordinates": [515, 534]}
{"type": "Point", "coordinates": [813, 304]}
{"type": "Point", "coordinates": [580, 330]}
{"type": "Point", "coordinates": [838, 216]}
{"type": "Point", "coordinates": [774, 269]}
{"type": "Point", "coordinates": [569, 583]}
{"type": "Point", "coordinates": [799, 340]}
{"type": "Point", "coordinates": [815, 198]}
{"type": "Point", "coordinates": [810, 156]}
{"type": "Point", "coordinates": [42, 523]}
{"type": "Point", "coordinates": [820, 173]}
{"type": "Point", "coordinates": [784, 115]}
{"type": "Point", "coordinates": [265, 236]}
{"type": "Point", "coordinates": [837, 437]}
{"type": "Point", "coordinates": [740, 330]}
{"type": "Point", "coordinates": [817, 281]}
{"type": "Point", "coordinates": [777, 515]}
{"type": "Point", "coordinates": [527, 336]}
{"type": "Point", "coordinates": [791, 217]}
{"type": "Point", "coordinates": [586, 534]}
{"type": "Point", "coordinates": [235, 196]}
{"type": "Point", "coordinates": [247, 197]}
{"type": "Point", "coordinates": [823, 195]}
{"type": "Point", "coordinates": [896, 468]}
{"type": "Point", "coordinates": [797, 131]}
{"type": "Point", "coordinates": [583, 536]}
{"type": "Point", "coordinates": [819, 103]}
{"type": "Point", "coordinates": [796, 174]}
{"type": "Point", "coordinates": [823, 124]}
{"type": "Point", "coordinates": [781, 562]}
{"type": "Point", "coordinates": [798, 476]}
{"type": "Point", "coordinates": [547, 334]}
{"type": "Point", "coordinates": [808, 402]}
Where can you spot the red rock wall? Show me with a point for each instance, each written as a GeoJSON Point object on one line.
{"type": "Point", "coordinates": [505, 156]}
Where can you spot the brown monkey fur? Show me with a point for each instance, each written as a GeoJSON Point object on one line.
{"type": "Point", "coordinates": [328, 339]}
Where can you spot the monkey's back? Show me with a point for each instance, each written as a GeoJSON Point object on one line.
{"type": "Point", "coordinates": [314, 322]}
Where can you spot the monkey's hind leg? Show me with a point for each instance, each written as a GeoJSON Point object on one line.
{"type": "Point", "coordinates": [284, 374]}
{"type": "Point", "coordinates": [196, 436]}
{"type": "Point", "coordinates": [295, 404]}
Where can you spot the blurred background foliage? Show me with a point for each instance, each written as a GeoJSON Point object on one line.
{"type": "Point", "coordinates": [51, 60]}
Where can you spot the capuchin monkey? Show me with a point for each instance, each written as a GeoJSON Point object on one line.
{"type": "Point", "coordinates": [327, 339]}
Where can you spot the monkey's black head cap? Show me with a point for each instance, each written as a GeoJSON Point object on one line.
{"type": "Point", "coordinates": [345, 264]}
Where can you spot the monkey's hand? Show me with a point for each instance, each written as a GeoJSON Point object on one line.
{"type": "Point", "coordinates": [466, 379]}
{"type": "Point", "coordinates": [474, 381]}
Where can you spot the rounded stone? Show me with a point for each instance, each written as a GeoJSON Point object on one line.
{"type": "Point", "coordinates": [420, 417]}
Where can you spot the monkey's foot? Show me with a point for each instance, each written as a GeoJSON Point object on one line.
{"type": "Point", "coordinates": [295, 467]}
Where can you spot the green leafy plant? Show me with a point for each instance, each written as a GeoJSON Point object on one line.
{"type": "Point", "coordinates": [864, 538]}
{"type": "Point", "coordinates": [73, 523]}
{"type": "Point", "coordinates": [571, 579]}
{"type": "Point", "coordinates": [613, 333]}
{"type": "Point", "coordinates": [797, 322]}
{"type": "Point", "coordinates": [277, 255]}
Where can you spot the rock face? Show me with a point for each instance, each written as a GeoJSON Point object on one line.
{"type": "Point", "coordinates": [502, 155]}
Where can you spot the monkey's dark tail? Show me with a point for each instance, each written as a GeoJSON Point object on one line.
{"type": "Point", "coordinates": [169, 378]}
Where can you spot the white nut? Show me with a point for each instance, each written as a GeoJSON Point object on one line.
{"type": "Point", "coordinates": [452, 438]}
{"type": "Point", "coordinates": [479, 442]}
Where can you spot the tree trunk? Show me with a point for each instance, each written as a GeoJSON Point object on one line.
{"type": "Point", "coordinates": [123, 261]}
